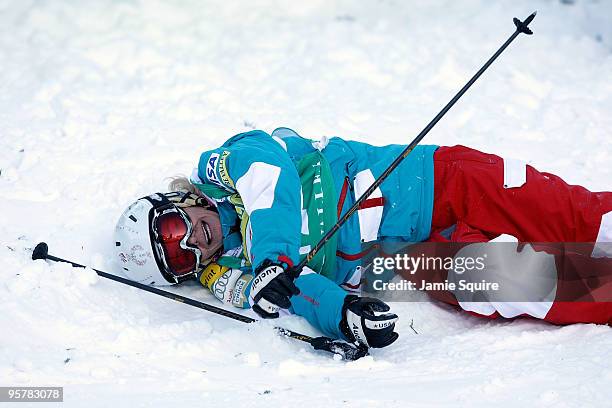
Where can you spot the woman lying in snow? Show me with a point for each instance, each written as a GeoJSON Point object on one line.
{"type": "Point", "coordinates": [259, 202]}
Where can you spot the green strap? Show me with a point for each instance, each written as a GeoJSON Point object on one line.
{"type": "Point", "coordinates": [320, 205]}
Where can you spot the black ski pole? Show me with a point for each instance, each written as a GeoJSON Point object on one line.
{"type": "Point", "coordinates": [346, 350]}
{"type": "Point", "coordinates": [521, 27]}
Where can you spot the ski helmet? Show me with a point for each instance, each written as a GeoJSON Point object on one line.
{"type": "Point", "coordinates": [151, 239]}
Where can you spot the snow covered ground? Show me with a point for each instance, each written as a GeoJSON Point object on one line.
{"type": "Point", "coordinates": [101, 101]}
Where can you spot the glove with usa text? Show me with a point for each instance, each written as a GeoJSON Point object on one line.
{"type": "Point", "coordinates": [366, 321]}
{"type": "Point", "coordinates": [271, 290]}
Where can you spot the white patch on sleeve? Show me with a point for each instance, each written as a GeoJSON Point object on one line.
{"type": "Point", "coordinates": [195, 178]}
{"type": "Point", "coordinates": [603, 245]}
{"type": "Point", "coordinates": [353, 284]}
{"type": "Point", "coordinates": [515, 173]}
{"type": "Point", "coordinates": [369, 218]}
{"type": "Point", "coordinates": [280, 142]}
{"type": "Point", "coordinates": [256, 187]}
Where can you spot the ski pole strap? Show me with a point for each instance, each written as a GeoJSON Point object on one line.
{"type": "Point", "coordinates": [347, 351]}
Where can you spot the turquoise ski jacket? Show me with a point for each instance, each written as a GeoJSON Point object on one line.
{"type": "Point", "coordinates": [278, 193]}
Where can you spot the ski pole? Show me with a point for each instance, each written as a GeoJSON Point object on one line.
{"type": "Point", "coordinates": [521, 27]}
{"type": "Point", "coordinates": [346, 350]}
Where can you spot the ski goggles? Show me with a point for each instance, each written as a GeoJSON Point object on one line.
{"type": "Point", "coordinates": [170, 230]}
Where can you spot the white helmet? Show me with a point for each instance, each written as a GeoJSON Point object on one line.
{"type": "Point", "coordinates": [140, 251]}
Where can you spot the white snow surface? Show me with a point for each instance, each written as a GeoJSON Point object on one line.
{"type": "Point", "coordinates": [101, 101]}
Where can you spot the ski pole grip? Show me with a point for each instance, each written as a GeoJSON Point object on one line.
{"type": "Point", "coordinates": [521, 26]}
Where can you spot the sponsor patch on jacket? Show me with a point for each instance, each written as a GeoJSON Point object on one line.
{"type": "Point", "coordinates": [240, 294]}
{"type": "Point", "coordinates": [211, 169]}
{"type": "Point", "coordinates": [223, 172]}
{"type": "Point", "coordinates": [211, 273]}
{"type": "Point", "coordinates": [222, 288]}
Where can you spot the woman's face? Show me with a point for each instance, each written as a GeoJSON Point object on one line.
{"type": "Point", "coordinates": [206, 235]}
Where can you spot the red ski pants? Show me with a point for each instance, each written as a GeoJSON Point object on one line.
{"type": "Point", "coordinates": [469, 194]}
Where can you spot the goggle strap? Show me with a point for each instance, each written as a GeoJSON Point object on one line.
{"type": "Point", "coordinates": [157, 200]}
{"type": "Point", "coordinates": [180, 199]}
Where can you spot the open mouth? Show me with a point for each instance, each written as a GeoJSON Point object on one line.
{"type": "Point", "coordinates": [207, 233]}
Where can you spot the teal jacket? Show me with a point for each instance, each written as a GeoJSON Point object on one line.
{"type": "Point", "coordinates": [278, 194]}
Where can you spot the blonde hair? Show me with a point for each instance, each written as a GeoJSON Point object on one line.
{"type": "Point", "coordinates": [182, 183]}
